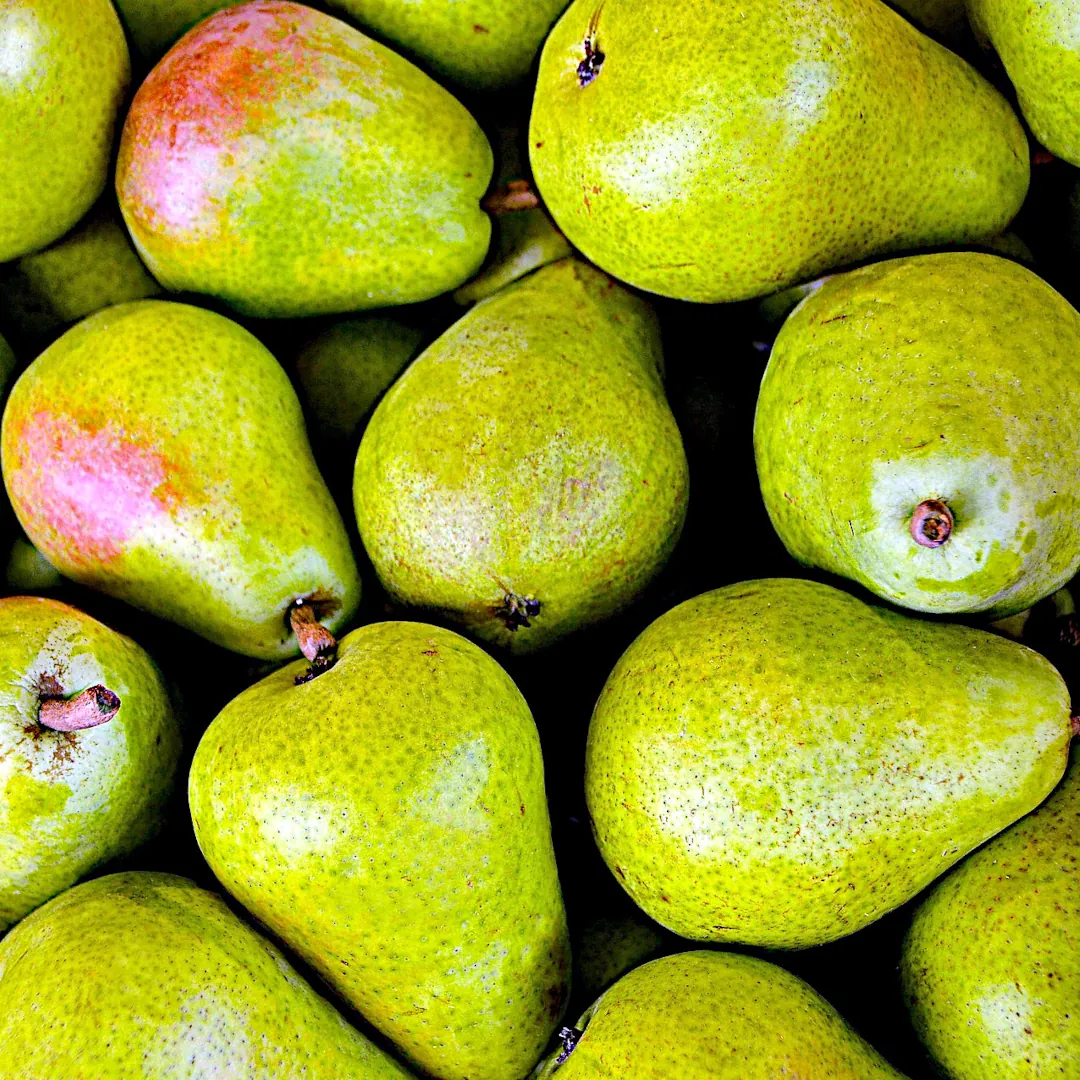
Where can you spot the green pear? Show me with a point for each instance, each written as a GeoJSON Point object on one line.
{"type": "Point", "coordinates": [479, 44]}
{"type": "Point", "coordinates": [608, 946]}
{"type": "Point", "coordinates": [778, 763]}
{"type": "Point", "coordinates": [945, 19]}
{"type": "Point", "coordinates": [157, 452]}
{"type": "Point", "coordinates": [917, 429]}
{"type": "Point", "coordinates": [89, 745]}
{"type": "Point", "coordinates": [387, 819]}
{"type": "Point", "coordinates": [28, 570]}
{"type": "Point", "coordinates": [1039, 44]}
{"type": "Point", "coordinates": [280, 160]}
{"type": "Point", "coordinates": [991, 963]}
{"type": "Point", "coordinates": [90, 268]}
{"type": "Point", "coordinates": [65, 73]}
{"type": "Point", "coordinates": [148, 975]}
{"type": "Point", "coordinates": [154, 25]}
{"type": "Point", "coordinates": [713, 1016]}
{"type": "Point", "coordinates": [724, 151]}
{"type": "Point", "coordinates": [525, 475]}
{"type": "Point", "coordinates": [344, 369]}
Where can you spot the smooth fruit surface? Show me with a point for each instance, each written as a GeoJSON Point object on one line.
{"type": "Point", "coordinates": [388, 821]}
{"type": "Point", "coordinates": [145, 974]}
{"type": "Point", "coordinates": [282, 161]}
{"type": "Point", "coordinates": [718, 151]}
{"type": "Point", "coordinates": [1039, 44]}
{"type": "Point", "coordinates": [72, 800]}
{"type": "Point", "coordinates": [64, 71]}
{"type": "Point", "coordinates": [715, 1016]}
{"type": "Point", "coordinates": [991, 964]}
{"type": "Point", "coordinates": [951, 378]}
{"type": "Point", "coordinates": [778, 763]}
{"type": "Point", "coordinates": [481, 44]}
{"type": "Point", "coordinates": [525, 475]}
{"type": "Point", "coordinates": [157, 452]}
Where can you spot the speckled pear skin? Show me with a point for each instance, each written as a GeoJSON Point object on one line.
{"type": "Point", "coordinates": [66, 73]}
{"type": "Point", "coordinates": [157, 452]}
{"type": "Point", "coordinates": [71, 801]}
{"type": "Point", "coordinates": [480, 44]}
{"type": "Point", "coordinates": [535, 426]}
{"type": "Point", "coordinates": [725, 151]}
{"type": "Point", "coordinates": [715, 1016]}
{"type": "Point", "coordinates": [146, 974]}
{"type": "Point", "coordinates": [991, 963]}
{"type": "Point", "coordinates": [1038, 41]}
{"type": "Point", "coordinates": [280, 160]}
{"type": "Point", "coordinates": [952, 377]}
{"type": "Point", "coordinates": [90, 268]}
{"type": "Point", "coordinates": [777, 763]}
{"type": "Point", "coordinates": [154, 25]}
{"type": "Point", "coordinates": [342, 371]}
{"type": "Point", "coordinates": [388, 821]}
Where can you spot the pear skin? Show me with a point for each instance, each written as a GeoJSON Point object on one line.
{"type": "Point", "coordinates": [157, 452]}
{"type": "Point", "coordinates": [145, 974]}
{"type": "Point", "coordinates": [387, 819]}
{"type": "Point", "coordinates": [778, 763]}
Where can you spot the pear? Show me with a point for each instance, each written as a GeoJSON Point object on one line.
{"type": "Point", "coordinates": [991, 963]}
{"type": "Point", "coordinates": [480, 44]}
{"type": "Point", "coordinates": [344, 369]}
{"type": "Point", "coordinates": [89, 745]}
{"type": "Point", "coordinates": [525, 475]}
{"type": "Point", "coordinates": [280, 160]}
{"type": "Point", "coordinates": [28, 570]}
{"type": "Point", "coordinates": [143, 974]}
{"type": "Point", "coordinates": [64, 73]}
{"type": "Point", "coordinates": [778, 763]}
{"type": "Point", "coordinates": [157, 451]}
{"type": "Point", "coordinates": [945, 19]}
{"type": "Point", "coordinates": [1038, 41]}
{"type": "Point", "coordinates": [713, 1016]}
{"type": "Point", "coordinates": [387, 819]}
{"type": "Point", "coordinates": [154, 25]}
{"type": "Point", "coordinates": [724, 151]}
{"type": "Point", "coordinates": [916, 431]}
{"type": "Point", "coordinates": [90, 268]}
{"type": "Point", "coordinates": [608, 946]}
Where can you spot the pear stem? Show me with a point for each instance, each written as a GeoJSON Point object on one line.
{"type": "Point", "coordinates": [931, 524]}
{"type": "Point", "coordinates": [95, 705]}
{"type": "Point", "coordinates": [516, 196]}
{"type": "Point", "coordinates": [317, 644]}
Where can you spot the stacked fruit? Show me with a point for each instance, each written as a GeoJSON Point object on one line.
{"type": "Point", "coordinates": [830, 721]}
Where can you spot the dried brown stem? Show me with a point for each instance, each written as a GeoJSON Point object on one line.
{"type": "Point", "coordinates": [95, 705]}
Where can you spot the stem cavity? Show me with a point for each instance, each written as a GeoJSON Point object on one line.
{"type": "Point", "coordinates": [95, 705]}
{"type": "Point", "coordinates": [317, 644]}
{"type": "Point", "coordinates": [931, 524]}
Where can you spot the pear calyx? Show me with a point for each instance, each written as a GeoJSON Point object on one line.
{"type": "Point", "coordinates": [590, 67]}
{"type": "Point", "coordinates": [932, 523]}
{"type": "Point", "coordinates": [95, 705]}
{"type": "Point", "coordinates": [516, 611]}
{"type": "Point", "coordinates": [511, 198]}
{"type": "Point", "coordinates": [569, 1037]}
{"type": "Point", "coordinates": [317, 644]}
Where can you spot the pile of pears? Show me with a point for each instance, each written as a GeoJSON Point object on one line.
{"type": "Point", "coordinates": [540, 540]}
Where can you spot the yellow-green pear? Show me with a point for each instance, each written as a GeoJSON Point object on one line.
{"type": "Point", "coordinates": [64, 72]}
{"type": "Point", "coordinates": [387, 819]}
{"type": "Point", "coordinates": [719, 151]}
{"type": "Point", "coordinates": [147, 975]}
{"type": "Point", "coordinates": [778, 763]}
{"type": "Point", "coordinates": [157, 452]}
